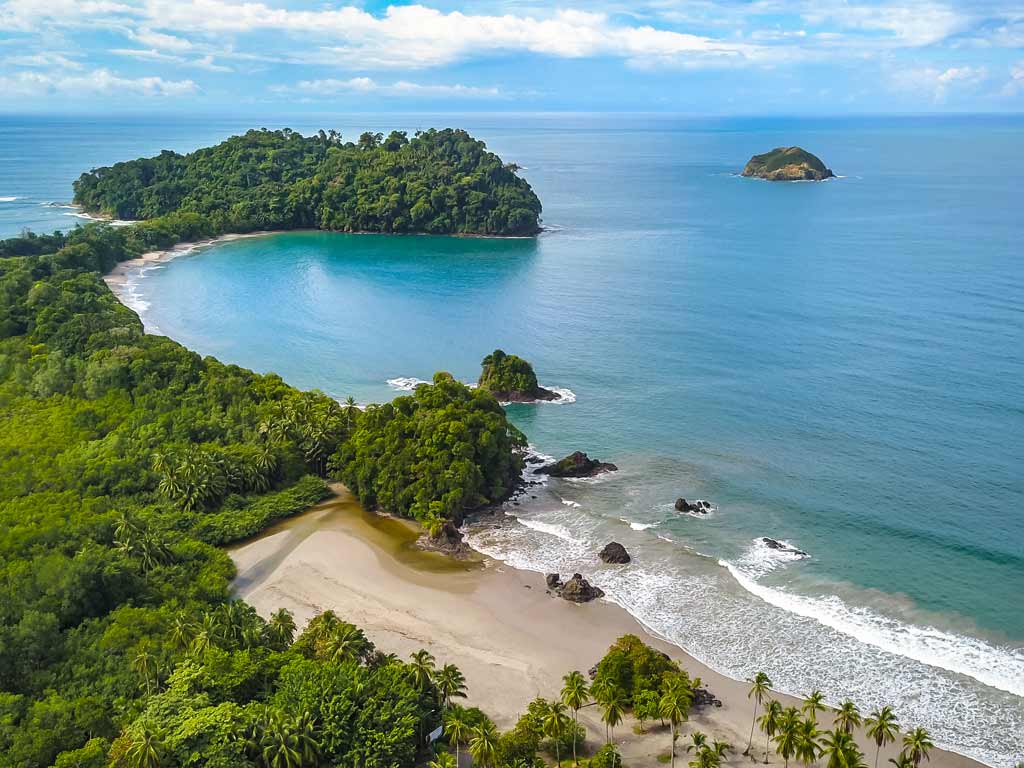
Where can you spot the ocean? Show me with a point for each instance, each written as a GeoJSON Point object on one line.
{"type": "Point", "coordinates": [838, 365]}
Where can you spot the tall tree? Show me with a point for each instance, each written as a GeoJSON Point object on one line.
{"type": "Point", "coordinates": [769, 723]}
{"type": "Point", "coordinates": [554, 724]}
{"type": "Point", "coordinates": [575, 693]}
{"type": "Point", "coordinates": [882, 726]}
{"type": "Point", "coordinates": [813, 704]}
{"type": "Point", "coordinates": [916, 745]}
{"type": "Point", "coordinates": [483, 745]}
{"type": "Point", "coordinates": [760, 686]}
{"type": "Point", "coordinates": [847, 716]}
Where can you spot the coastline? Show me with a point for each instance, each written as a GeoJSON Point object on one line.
{"type": "Point", "coordinates": [511, 639]}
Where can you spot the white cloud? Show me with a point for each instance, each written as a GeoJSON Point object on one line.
{"type": "Point", "coordinates": [98, 81]}
{"type": "Point", "coordinates": [1015, 85]}
{"type": "Point", "coordinates": [912, 23]}
{"type": "Point", "coordinates": [938, 83]}
{"type": "Point", "coordinates": [365, 85]}
{"type": "Point", "coordinates": [150, 54]}
{"type": "Point", "coordinates": [45, 60]}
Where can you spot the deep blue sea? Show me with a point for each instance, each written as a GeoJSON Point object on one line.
{"type": "Point", "coordinates": [836, 365]}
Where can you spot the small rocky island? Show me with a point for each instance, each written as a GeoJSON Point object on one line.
{"type": "Point", "coordinates": [512, 380]}
{"type": "Point", "coordinates": [577, 464]}
{"type": "Point", "coordinates": [787, 164]}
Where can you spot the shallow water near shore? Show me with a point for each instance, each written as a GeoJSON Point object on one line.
{"type": "Point", "coordinates": [839, 366]}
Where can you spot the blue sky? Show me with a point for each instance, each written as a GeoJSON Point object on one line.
{"type": "Point", "coordinates": [683, 56]}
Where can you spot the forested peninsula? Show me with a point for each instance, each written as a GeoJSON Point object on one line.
{"type": "Point", "coordinates": [125, 461]}
{"type": "Point", "coordinates": [438, 182]}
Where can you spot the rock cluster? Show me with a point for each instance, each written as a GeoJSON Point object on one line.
{"type": "Point", "coordinates": [782, 546]}
{"type": "Point", "coordinates": [576, 464]}
{"type": "Point", "coordinates": [614, 553]}
{"type": "Point", "coordinates": [700, 506]}
{"type": "Point", "coordinates": [576, 590]}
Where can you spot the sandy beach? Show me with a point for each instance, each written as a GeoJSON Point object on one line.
{"type": "Point", "coordinates": [117, 277]}
{"type": "Point", "coordinates": [512, 640]}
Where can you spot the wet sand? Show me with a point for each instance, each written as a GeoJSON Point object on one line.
{"type": "Point", "coordinates": [511, 639]}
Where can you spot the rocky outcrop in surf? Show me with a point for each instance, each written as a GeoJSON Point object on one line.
{"type": "Point", "coordinates": [511, 380]}
{"type": "Point", "coordinates": [782, 546]}
{"type": "Point", "coordinates": [699, 506]}
{"type": "Point", "coordinates": [577, 464]}
{"type": "Point", "coordinates": [575, 590]}
{"type": "Point", "coordinates": [614, 553]}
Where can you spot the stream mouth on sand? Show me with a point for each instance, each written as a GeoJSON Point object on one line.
{"type": "Point", "coordinates": [388, 536]}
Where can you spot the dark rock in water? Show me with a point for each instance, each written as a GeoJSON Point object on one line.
{"type": "Point", "coordinates": [534, 459]}
{"type": "Point", "coordinates": [554, 581]}
{"type": "Point", "coordinates": [700, 506]}
{"type": "Point", "coordinates": [782, 546]}
{"type": "Point", "coordinates": [614, 553]}
{"type": "Point", "coordinates": [577, 464]}
{"type": "Point", "coordinates": [579, 590]}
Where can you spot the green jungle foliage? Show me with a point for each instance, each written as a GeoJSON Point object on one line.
{"type": "Point", "coordinates": [124, 458]}
{"type": "Point", "coordinates": [440, 181]}
{"type": "Point", "coordinates": [635, 668]}
{"type": "Point", "coordinates": [783, 156]}
{"type": "Point", "coordinates": [434, 454]}
{"type": "Point", "coordinates": [507, 373]}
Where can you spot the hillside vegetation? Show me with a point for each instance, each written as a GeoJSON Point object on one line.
{"type": "Point", "coordinates": [124, 460]}
{"type": "Point", "coordinates": [439, 181]}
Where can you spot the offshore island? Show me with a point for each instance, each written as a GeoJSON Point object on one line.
{"type": "Point", "coordinates": [787, 164]}
{"type": "Point", "coordinates": [132, 638]}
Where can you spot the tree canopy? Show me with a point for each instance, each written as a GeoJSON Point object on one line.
{"type": "Point", "coordinates": [439, 181]}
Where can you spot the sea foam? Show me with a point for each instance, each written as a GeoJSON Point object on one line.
{"type": "Point", "coordinates": [9, 199]}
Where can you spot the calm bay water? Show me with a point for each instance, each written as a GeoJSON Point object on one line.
{"type": "Point", "coordinates": [837, 365]}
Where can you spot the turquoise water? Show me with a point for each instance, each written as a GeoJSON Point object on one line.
{"type": "Point", "coordinates": [837, 365]}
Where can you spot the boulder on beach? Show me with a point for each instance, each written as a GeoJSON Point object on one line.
{"type": "Point", "coordinates": [577, 464]}
{"type": "Point", "coordinates": [614, 553]}
{"type": "Point", "coordinates": [576, 590]}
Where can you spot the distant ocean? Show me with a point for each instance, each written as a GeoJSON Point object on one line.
{"type": "Point", "coordinates": [839, 366]}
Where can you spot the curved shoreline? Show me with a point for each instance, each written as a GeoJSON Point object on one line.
{"type": "Point", "coordinates": [511, 639]}
{"type": "Point", "coordinates": [117, 280]}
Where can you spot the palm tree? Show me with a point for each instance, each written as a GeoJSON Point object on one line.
{"type": "Point", "coordinates": [807, 748]}
{"type": "Point", "coordinates": [916, 745]}
{"type": "Point", "coordinates": [451, 684]}
{"type": "Point", "coordinates": [554, 724]}
{"type": "Point", "coordinates": [280, 745]}
{"type": "Point", "coordinates": [720, 749]}
{"type": "Point", "coordinates": [346, 643]}
{"type": "Point", "coordinates": [788, 737]}
{"type": "Point", "coordinates": [841, 749]}
{"type": "Point", "coordinates": [308, 742]}
{"type": "Point", "coordinates": [351, 409]}
{"type": "Point", "coordinates": [882, 726]}
{"type": "Point", "coordinates": [444, 760]}
{"type": "Point", "coordinates": [144, 664]}
{"type": "Point", "coordinates": [483, 746]}
{"type": "Point", "coordinates": [674, 707]}
{"type": "Point", "coordinates": [144, 751]}
{"type": "Point", "coordinates": [769, 722]}
{"type": "Point", "coordinates": [760, 685]}
{"type": "Point", "coordinates": [814, 704]}
{"type": "Point", "coordinates": [574, 695]}
{"type": "Point", "coordinates": [902, 761]}
{"type": "Point", "coordinates": [421, 668]}
{"type": "Point", "coordinates": [700, 740]}
{"type": "Point", "coordinates": [281, 628]}
{"type": "Point", "coordinates": [456, 726]}
{"type": "Point", "coordinates": [183, 631]}
{"type": "Point", "coordinates": [847, 716]}
{"type": "Point", "coordinates": [613, 706]}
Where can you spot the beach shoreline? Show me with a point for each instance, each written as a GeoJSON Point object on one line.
{"type": "Point", "coordinates": [511, 637]}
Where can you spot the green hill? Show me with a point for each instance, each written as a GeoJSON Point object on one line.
{"type": "Point", "coordinates": [787, 164]}
{"type": "Point", "coordinates": [439, 181]}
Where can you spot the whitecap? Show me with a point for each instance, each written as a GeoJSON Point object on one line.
{"type": "Point", "coordinates": [570, 503]}
{"type": "Point", "coordinates": [1001, 668]}
{"type": "Point", "coordinates": [10, 199]}
{"type": "Point", "coordinates": [405, 383]}
{"type": "Point", "coordinates": [760, 559]}
{"type": "Point", "coordinates": [565, 396]}
{"type": "Point", "coordinates": [638, 526]}
{"type": "Point", "coordinates": [551, 529]}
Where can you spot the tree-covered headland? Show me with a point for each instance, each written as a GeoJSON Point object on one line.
{"type": "Point", "coordinates": [438, 181]}
{"type": "Point", "coordinates": [125, 461]}
{"type": "Point", "coordinates": [511, 379]}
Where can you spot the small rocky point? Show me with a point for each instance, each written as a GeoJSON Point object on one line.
{"type": "Point", "coordinates": [576, 590]}
{"type": "Point", "coordinates": [787, 164]}
{"type": "Point", "coordinates": [699, 506]}
{"type": "Point", "coordinates": [782, 546]}
{"type": "Point", "coordinates": [614, 553]}
{"type": "Point", "coordinates": [448, 542]}
{"type": "Point", "coordinates": [577, 464]}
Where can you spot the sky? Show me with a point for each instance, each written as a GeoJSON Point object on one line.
{"type": "Point", "coordinates": [700, 57]}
